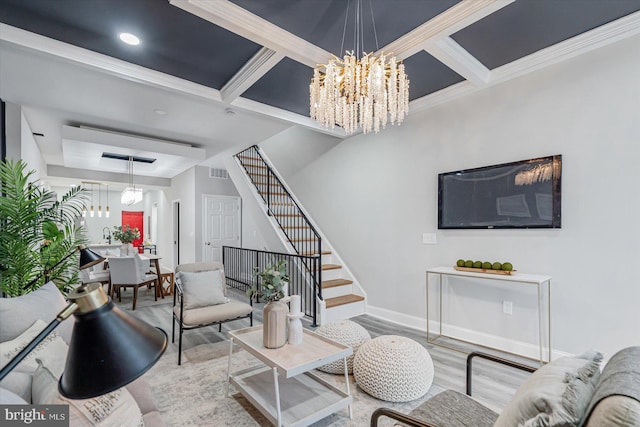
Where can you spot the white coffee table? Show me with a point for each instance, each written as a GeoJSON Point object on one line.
{"type": "Point", "coordinates": [283, 388]}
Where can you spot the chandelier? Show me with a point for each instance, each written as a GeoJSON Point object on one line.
{"type": "Point", "coordinates": [359, 91]}
{"type": "Point", "coordinates": [131, 194]}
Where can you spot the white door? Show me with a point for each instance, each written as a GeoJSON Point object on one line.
{"type": "Point", "coordinates": [221, 225]}
{"type": "Point", "coordinates": [176, 233]}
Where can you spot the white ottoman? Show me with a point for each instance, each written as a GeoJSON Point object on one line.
{"type": "Point", "coordinates": [345, 332]}
{"type": "Point", "coordinates": [393, 368]}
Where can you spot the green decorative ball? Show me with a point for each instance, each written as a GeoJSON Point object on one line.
{"type": "Point", "coordinates": [507, 266]}
{"type": "Point", "coordinates": [496, 266]}
{"type": "Point", "coordinates": [486, 265]}
{"type": "Point", "coordinates": [460, 263]}
{"type": "Point", "coordinates": [468, 263]}
{"type": "Point", "coordinates": [477, 264]}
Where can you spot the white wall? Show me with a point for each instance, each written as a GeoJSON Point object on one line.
{"type": "Point", "coordinates": [183, 190]}
{"type": "Point", "coordinates": [374, 196]}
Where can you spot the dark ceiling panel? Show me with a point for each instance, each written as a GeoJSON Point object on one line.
{"type": "Point", "coordinates": [428, 75]}
{"type": "Point", "coordinates": [173, 41]}
{"type": "Point", "coordinates": [322, 22]}
{"type": "Point", "coordinates": [524, 27]}
{"type": "Point", "coordinates": [285, 86]}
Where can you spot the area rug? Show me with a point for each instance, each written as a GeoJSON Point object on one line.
{"type": "Point", "coordinates": [193, 394]}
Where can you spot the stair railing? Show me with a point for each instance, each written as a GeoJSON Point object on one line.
{"type": "Point", "coordinates": [240, 265]}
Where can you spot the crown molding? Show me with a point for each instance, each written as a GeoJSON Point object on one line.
{"type": "Point", "coordinates": [103, 63]}
{"type": "Point", "coordinates": [287, 116]}
{"type": "Point", "coordinates": [604, 35]}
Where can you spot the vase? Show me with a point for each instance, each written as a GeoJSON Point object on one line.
{"type": "Point", "coordinates": [274, 330]}
{"type": "Point", "coordinates": [126, 249]}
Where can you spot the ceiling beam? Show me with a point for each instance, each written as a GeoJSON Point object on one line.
{"type": "Point", "coordinates": [233, 18]}
{"type": "Point", "coordinates": [252, 71]}
{"type": "Point", "coordinates": [448, 22]}
{"type": "Point", "coordinates": [454, 56]}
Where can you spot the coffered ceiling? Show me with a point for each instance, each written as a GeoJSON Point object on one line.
{"type": "Point", "coordinates": [216, 74]}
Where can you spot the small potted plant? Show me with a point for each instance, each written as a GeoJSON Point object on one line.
{"type": "Point", "coordinates": [126, 235]}
{"type": "Point", "coordinates": [271, 287]}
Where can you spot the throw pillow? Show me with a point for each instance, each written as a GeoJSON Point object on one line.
{"type": "Point", "coordinates": [202, 289]}
{"type": "Point", "coordinates": [115, 409]}
{"type": "Point", "coordinates": [52, 348]}
{"type": "Point", "coordinates": [557, 394]}
{"type": "Point", "coordinates": [18, 313]}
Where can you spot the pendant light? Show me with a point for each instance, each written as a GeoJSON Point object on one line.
{"type": "Point", "coordinates": [106, 211]}
{"type": "Point", "coordinates": [99, 200]}
{"type": "Point", "coordinates": [131, 194]}
{"type": "Point", "coordinates": [91, 209]}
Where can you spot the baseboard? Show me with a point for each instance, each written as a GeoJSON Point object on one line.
{"type": "Point", "coordinates": [493, 341]}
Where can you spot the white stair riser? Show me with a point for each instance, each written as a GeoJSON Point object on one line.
{"type": "Point", "coordinates": [337, 291]}
{"type": "Point", "coordinates": [332, 274]}
{"type": "Point", "coordinates": [344, 311]}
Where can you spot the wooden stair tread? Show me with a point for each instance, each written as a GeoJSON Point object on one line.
{"type": "Point", "coordinates": [330, 266]}
{"type": "Point", "coordinates": [304, 240]}
{"type": "Point", "coordinates": [286, 214]}
{"type": "Point", "coordinates": [342, 300]}
{"type": "Point", "coordinates": [326, 284]}
{"type": "Point", "coordinates": [295, 227]}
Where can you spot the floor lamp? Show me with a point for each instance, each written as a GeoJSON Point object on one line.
{"type": "Point", "coordinates": [108, 349]}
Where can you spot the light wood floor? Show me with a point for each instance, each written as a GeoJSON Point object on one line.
{"type": "Point", "coordinates": [493, 385]}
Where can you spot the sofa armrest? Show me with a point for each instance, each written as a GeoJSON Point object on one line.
{"type": "Point", "coordinates": [492, 358]}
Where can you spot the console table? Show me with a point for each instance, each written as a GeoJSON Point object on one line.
{"type": "Point", "coordinates": [518, 278]}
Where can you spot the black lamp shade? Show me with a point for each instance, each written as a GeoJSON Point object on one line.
{"type": "Point", "coordinates": [89, 258]}
{"type": "Point", "coordinates": [108, 349]}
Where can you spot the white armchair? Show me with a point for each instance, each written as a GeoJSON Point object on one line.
{"type": "Point", "coordinates": [130, 272]}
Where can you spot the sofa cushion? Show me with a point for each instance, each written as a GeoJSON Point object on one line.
{"type": "Point", "coordinates": [7, 397]}
{"type": "Point", "coordinates": [52, 348]}
{"type": "Point", "coordinates": [115, 409]}
{"type": "Point", "coordinates": [17, 314]}
{"type": "Point", "coordinates": [195, 267]}
{"type": "Point", "coordinates": [616, 410]}
{"type": "Point", "coordinates": [216, 313]}
{"type": "Point", "coordinates": [202, 289]}
{"type": "Point", "coordinates": [18, 383]}
{"type": "Point", "coordinates": [557, 394]}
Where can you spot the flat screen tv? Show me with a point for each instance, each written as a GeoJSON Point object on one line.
{"type": "Point", "coordinates": [523, 194]}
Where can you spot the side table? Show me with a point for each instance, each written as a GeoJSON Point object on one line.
{"type": "Point", "coordinates": [284, 388]}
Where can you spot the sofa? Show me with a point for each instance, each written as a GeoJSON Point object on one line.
{"type": "Point", "coordinates": [570, 391]}
{"type": "Point", "coordinates": [35, 379]}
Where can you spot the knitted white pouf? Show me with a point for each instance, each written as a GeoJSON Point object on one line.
{"type": "Point", "coordinates": [345, 332]}
{"type": "Point", "coordinates": [393, 368]}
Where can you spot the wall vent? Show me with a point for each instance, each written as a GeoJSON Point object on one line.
{"type": "Point", "coordinates": [218, 173]}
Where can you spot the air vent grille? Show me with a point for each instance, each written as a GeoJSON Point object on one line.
{"type": "Point", "coordinates": [124, 157]}
{"type": "Point", "coordinates": [218, 173]}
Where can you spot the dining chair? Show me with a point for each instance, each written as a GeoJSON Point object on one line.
{"type": "Point", "coordinates": [130, 272]}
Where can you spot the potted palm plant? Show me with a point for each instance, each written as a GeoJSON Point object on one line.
{"type": "Point", "coordinates": [274, 281]}
{"type": "Point", "coordinates": [37, 232]}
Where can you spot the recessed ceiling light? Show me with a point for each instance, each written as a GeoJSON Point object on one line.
{"type": "Point", "coordinates": [129, 38]}
{"type": "Point", "coordinates": [229, 112]}
{"type": "Point", "coordinates": [160, 112]}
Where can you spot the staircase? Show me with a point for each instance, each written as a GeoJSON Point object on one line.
{"type": "Point", "coordinates": [338, 296]}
